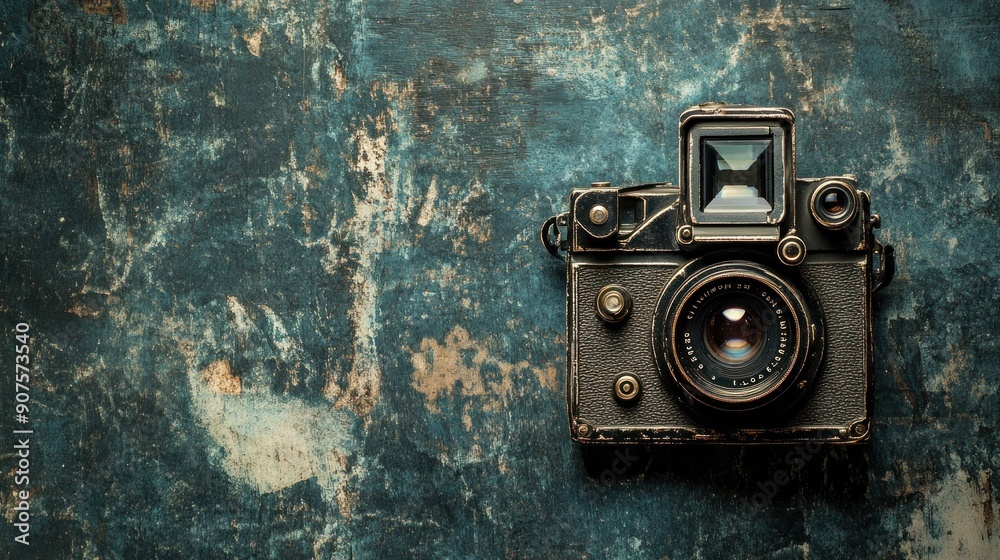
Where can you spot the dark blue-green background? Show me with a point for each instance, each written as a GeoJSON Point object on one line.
{"type": "Point", "coordinates": [280, 264]}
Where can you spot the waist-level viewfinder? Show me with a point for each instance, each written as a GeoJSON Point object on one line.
{"type": "Point", "coordinates": [737, 175]}
{"type": "Point", "coordinates": [737, 170]}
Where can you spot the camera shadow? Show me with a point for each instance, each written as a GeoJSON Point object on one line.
{"type": "Point", "coordinates": [757, 475]}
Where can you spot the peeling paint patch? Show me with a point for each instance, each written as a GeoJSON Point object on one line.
{"type": "Point", "coordinates": [241, 320]}
{"type": "Point", "coordinates": [252, 41]}
{"type": "Point", "coordinates": [220, 378]}
{"type": "Point", "coordinates": [955, 522]}
{"type": "Point", "coordinates": [83, 310]}
{"type": "Point", "coordinates": [899, 159]}
{"type": "Point", "coordinates": [268, 441]}
{"type": "Point", "coordinates": [427, 209]}
{"type": "Point", "coordinates": [279, 334]}
{"type": "Point", "coordinates": [441, 368]}
{"type": "Point", "coordinates": [474, 73]}
{"type": "Point", "coordinates": [203, 5]}
{"type": "Point", "coordinates": [367, 226]}
{"type": "Point", "coordinates": [218, 96]}
{"type": "Point", "coordinates": [455, 367]}
{"type": "Point", "coordinates": [371, 154]}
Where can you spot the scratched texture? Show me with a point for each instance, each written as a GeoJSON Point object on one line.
{"type": "Point", "coordinates": [280, 263]}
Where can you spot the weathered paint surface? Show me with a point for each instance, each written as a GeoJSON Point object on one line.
{"type": "Point", "coordinates": [280, 263]}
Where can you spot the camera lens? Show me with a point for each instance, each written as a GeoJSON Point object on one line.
{"type": "Point", "coordinates": [733, 336]}
{"type": "Point", "coordinates": [834, 205]}
{"type": "Point", "coordinates": [734, 333]}
{"type": "Point", "coordinates": [834, 202]}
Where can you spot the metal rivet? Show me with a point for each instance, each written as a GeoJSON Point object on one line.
{"type": "Point", "coordinates": [598, 215]}
{"type": "Point", "coordinates": [627, 388]}
{"type": "Point", "coordinates": [583, 429]}
{"type": "Point", "coordinates": [600, 185]}
{"type": "Point", "coordinates": [875, 221]}
{"type": "Point", "coordinates": [685, 234]}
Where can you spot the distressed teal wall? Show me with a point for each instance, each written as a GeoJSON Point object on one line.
{"type": "Point", "coordinates": [280, 264]}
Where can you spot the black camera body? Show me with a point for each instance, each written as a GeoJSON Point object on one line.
{"type": "Point", "coordinates": [733, 308]}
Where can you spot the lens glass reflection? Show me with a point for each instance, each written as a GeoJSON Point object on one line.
{"type": "Point", "coordinates": [737, 175]}
{"type": "Point", "coordinates": [834, 202]}
{"type": "Point", "coordinates": [734, 334]}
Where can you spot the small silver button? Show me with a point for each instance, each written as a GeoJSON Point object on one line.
{"type": "Point", "coordinates": [614, 303]}
{"type": "Point", "coordinates": [598, 215]}
{"type": "Point", "coordinates": [627, 388]}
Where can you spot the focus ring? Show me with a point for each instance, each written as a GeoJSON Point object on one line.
{"type": "Point", "coordinates": [726, 367]}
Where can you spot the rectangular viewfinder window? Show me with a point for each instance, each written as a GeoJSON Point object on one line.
{"type": "Point", "coordinates": [737, 174]}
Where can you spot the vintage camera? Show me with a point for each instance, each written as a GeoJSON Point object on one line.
{"type": "Point", "coordinates": [735, 308]}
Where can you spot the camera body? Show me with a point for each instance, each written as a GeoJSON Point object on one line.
{"type": "Point", "coordinates": [733, 308]}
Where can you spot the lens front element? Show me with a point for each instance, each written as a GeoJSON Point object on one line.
{"type": "Point", "coordinates": [834, 203]}
{"type": "Point", "coordinates": [734, 334]}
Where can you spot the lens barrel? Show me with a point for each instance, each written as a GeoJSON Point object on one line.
{"type": "Point", "coordinates": [735, 336]}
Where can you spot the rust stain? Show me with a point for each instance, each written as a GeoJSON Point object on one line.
{"type": "Point", "coordinates": [83, 310]}
{"type": "Point", "coordinates": [951, 373]}
{"type": "Point", "coordinates": [203, 5]}
{"type": "Point", "coordinates": [308, 217]}
{"type": "Point", "coordinates": [220, 378]}
{"type": "Point", "coordinates": [339, 79]}
{"type": "Point", "coordinates": [113, 8]}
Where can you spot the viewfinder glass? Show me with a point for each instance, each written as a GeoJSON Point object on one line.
{"type": "Point", "coordinates": [737, 174]}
